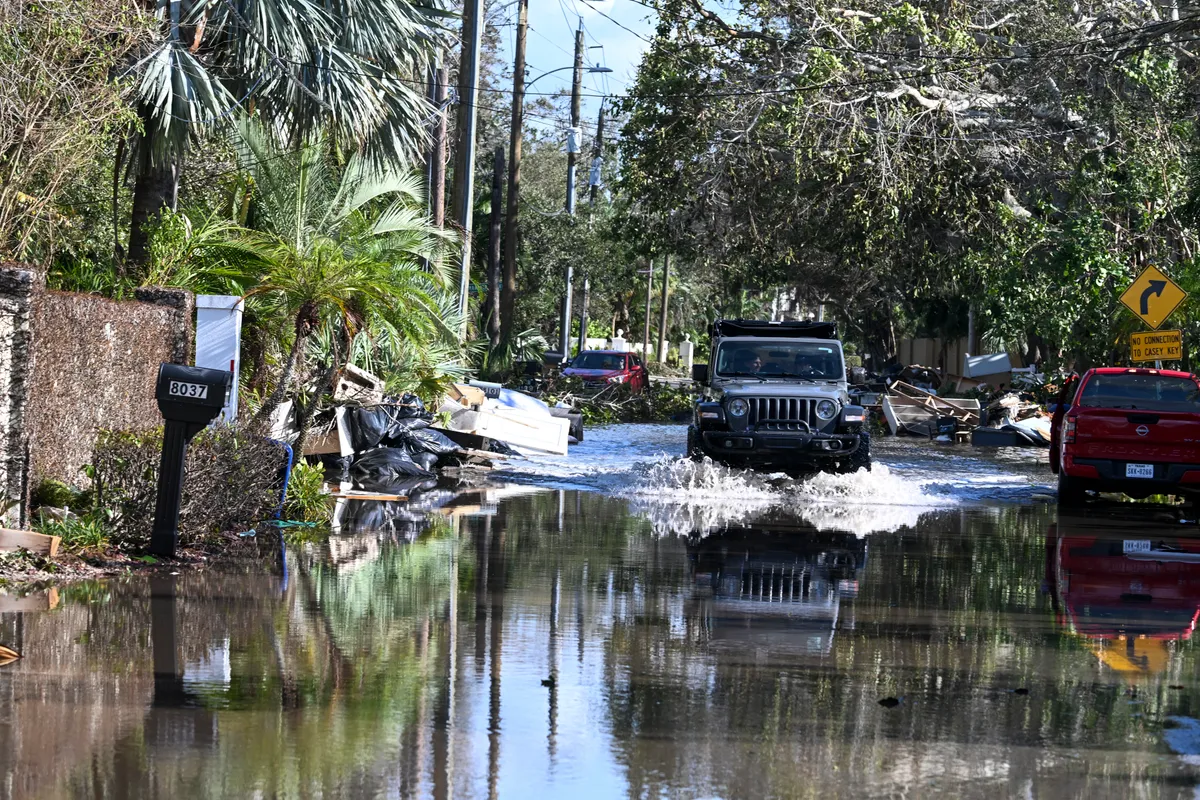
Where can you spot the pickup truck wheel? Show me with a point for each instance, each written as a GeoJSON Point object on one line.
{"type": "Point", "coordinates": [694, 452]}
{"type": "Point", "coordinates": [1072, 492]}
{"type": "Point", "coordinates": [861, 458]}
{"type": "Point", "coordinates": [576, 429]}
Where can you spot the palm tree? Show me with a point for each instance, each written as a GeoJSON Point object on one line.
{"type": "Point", "coordinates": [303, 66]}
{"type": "Point", "coordinates": [349, 249]}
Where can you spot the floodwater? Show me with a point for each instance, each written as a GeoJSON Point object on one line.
{"type": "Point", "coordinates": [622, 624]}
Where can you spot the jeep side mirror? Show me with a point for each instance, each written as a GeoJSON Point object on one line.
{"type": "Point", "coordinates": [700, 373]}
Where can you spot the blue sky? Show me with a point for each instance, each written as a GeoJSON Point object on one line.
{"type": "Point", "coordinates": [551, 39]}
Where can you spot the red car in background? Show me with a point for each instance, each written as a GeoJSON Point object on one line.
{"type": "Point", "coordinates": [599, 368]}
{"type": "Point", "coordinates": [1135, 431]}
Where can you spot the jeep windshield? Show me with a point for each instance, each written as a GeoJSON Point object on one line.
{"type": "Point", "coordinates": [1143, 392]}
{"type": "Point", "coordinates": [779, 359]}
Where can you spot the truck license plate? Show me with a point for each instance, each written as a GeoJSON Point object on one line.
{"type": "Point", "coordinates": [1139, 470]}
{"type": "Point", "coordinates": [1137, 545]}
{"type": "Point", "coordinates": [196, 391]}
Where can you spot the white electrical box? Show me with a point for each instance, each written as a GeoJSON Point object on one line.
{"type": "Point", "coordinates": [219, 340]}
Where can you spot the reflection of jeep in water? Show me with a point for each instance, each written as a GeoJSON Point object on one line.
{"type": "Point", "coordinates": [776, 398]}
{"type": "Point", "coordinates": [775, 586]}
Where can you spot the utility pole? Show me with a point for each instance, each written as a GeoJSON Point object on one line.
{"type": "Point", "coordinates": [435, 164]}
{"type": "Point", "coordinates": [597, 156]}
{"type": "Point", "coordinates": [573, 136]}
{"type": "Point", "coordinates": [572, 149]}
{"type": "Point", "coordinates": [662, 312]}
{"type": "Point", "coordinates": [494, 230]}
{"type": "Point", "coordinates": [594, 181]}
{"type": "Point", "coordinates": [508, 292]}
{"type": "Point", "coordinates": [583, 312]}
{"type": "Point", "coordinates": [464, 151]}
{"type": "Point", "coordinates": [649, 293]}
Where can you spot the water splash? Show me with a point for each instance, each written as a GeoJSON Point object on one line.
{"type": "Point", "coordinates": [680, 497]}
{"type": "Point", "coordinates": [685, 479]}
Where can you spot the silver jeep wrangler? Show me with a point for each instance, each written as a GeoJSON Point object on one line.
{"type": "Point", "coordinates": [776, 399]}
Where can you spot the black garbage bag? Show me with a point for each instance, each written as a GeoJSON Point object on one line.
{"type": "Point", "coordinates": [375, 425]}
{"type": "Point", "coordinates": [502, 448]}
{"type": "Point", "coordinates": [373, 516]}
{"type": "Point", "coordinates": [387, 464]}
{"type": "Point", "coordinates": [410, 405]}
{"type": "Point", "coordinates": [427, 440]}
{"type": "Point", "coordinates": [412, 488]}
{"type": "Point", "coordinates": [427, 461]}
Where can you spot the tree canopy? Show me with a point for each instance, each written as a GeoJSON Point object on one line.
{"type": "Point", "coordinates": [894, 159]}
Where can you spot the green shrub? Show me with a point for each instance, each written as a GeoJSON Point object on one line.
{"type": "Point", "coordinates": [233, 480]}
{"type": "Point", "coordinates": [89, 532]}
{"type": "Point", "coordinates": [56, 494]}
{"type": "Point", "coordinates": [307, 500]}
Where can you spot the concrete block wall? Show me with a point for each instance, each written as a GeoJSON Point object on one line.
{"type": "Point", "coordinates": [71, 365]}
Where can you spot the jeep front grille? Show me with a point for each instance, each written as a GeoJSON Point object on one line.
{"type": "Point", "coordinates": [782, 411]}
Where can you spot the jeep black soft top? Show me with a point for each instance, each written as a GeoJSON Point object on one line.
{"type": "Point", "coordinates": [787, 329]}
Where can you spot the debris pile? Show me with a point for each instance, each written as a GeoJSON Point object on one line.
{"type": "Point", "coordinates": [1014, 420]}
{"type": "Point", "coordinates": [1009, 419]}
{"type": "Point", "coordinates": [480, 412]}
{"type": "Point", "coordinates": [911, 410]}
{"type": "Point", "coordinates": [395, 441]}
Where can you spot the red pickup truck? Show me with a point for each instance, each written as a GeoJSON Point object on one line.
{"type": "Point", "coordinates": [1135, 431]}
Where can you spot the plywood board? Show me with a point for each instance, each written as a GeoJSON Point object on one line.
{"type": "Point", "coordinates": [36, 543]}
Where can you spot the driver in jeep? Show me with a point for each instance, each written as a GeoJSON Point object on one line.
{"type": "Point", "coordinates": [807, 366]}
{"type": "Point", "coordinates": [749, 363]}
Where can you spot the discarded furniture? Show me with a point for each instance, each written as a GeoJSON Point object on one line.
{"type": "Point", "coordinates": [914, 411]}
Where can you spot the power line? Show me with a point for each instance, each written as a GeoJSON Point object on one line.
{"type": "Point", "coordinates": [773, 91]}
{"type": "Point", "coordinates": [549, 40]}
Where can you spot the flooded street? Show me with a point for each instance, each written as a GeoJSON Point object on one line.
{"type": "Point", "coordinates": [622, 623]}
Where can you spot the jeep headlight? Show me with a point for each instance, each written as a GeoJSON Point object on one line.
{"type": "Point", "coordinates": [826, 409]}
{"type": "Point", "coordinates": [738, 407]}
{"type": "Point", "coordinates": [617, 379]}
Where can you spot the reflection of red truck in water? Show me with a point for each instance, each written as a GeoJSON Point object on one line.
{"type": "Point", "coordinates": [1128, 592]}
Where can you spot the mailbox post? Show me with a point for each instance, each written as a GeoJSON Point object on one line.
{"type": "Point", "coordinates": [189, 398]}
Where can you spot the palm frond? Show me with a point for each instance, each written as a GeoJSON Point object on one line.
{"type": "Point", "coordinates": [178, 99]}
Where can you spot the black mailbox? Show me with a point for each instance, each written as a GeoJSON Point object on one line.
{"type": "Point", "coordinates": [192, 394]}
{"type": "Point", "coordinates": [189, 398]}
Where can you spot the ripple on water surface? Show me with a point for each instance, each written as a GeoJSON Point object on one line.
{"type": "Point", "coordinates": [646, 464]}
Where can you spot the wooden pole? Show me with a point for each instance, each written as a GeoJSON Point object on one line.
{"type": "Point", "coordinates": [508, 291]}
{"type": "Point", "coordinates": [464, 154]}
{"type": "Point", "coordinates": [494, 231]}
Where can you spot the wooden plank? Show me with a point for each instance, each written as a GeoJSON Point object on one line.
{"type": "Point", "coordinates": [485, 454]}
{"type": "Point", "coordinates": [36, 543]}
{"type": "Point", "coordinates": [368, 496]}
{"type": "Point", "coordinates": [464, 395]}
{"type": "Point", "coordinates": [912, 397]}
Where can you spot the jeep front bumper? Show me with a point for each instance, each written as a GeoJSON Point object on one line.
{"type": "Point", "coordinates": [783, 448]}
